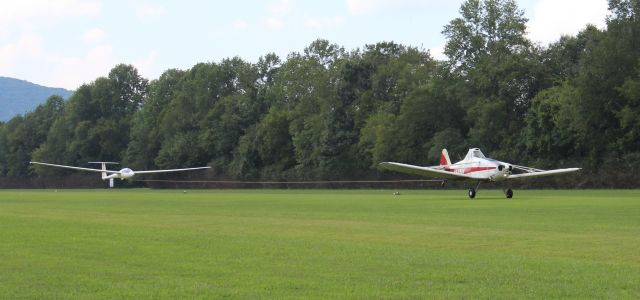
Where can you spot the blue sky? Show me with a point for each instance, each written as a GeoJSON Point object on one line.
{"type": "Point", "coordinates": [65, 43]}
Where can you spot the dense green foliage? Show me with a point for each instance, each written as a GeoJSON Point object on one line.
{"type": "Point", "coordinates": [332, 113]}
{"type": "Point", "coordinates": [327, 244]}
{"type": "Point", "coordinates": [19, 96]}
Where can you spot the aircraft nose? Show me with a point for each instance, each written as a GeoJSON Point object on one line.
{"type": "Point", "coordinates": [505, 169]}
{"type": "Point", "coordinates": [508, 170]}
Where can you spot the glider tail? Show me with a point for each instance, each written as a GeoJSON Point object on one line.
{"type": "Point", "coordinates": [104, 174]}
{"type": "Point", "coordinates": [103, 165]}
{"type": "Point", "coordinates": [444, 158]}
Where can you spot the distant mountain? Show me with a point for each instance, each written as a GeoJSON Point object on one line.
{"type": "Point", "coordinates": [20, 96]}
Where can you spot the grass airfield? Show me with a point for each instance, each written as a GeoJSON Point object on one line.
{"type": "Point", "coordinates": [363, 244]}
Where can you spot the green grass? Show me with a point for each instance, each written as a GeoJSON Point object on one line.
{"type": "Point", "coordinates": [319, 244]}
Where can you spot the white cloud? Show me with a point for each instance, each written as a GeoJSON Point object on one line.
{"type": "Point", "coordinates": [275, 23]}
{"type": "Point", "coordinates": [148, 9]}
{"type": "Point", "coordinates": [27, 47]}
{"type": "Point", "coordinates": [71, 72]}
{"type": "Point", "coordinates": [323, 22]}
{"type": "Point", "coordinates": [147, 65]}
{"type": "Point", "coordinates": [276, 12]}
{"type": "Point", "coordinates": [360, 7]}
{"type": "Point", "coordinates": [24, 54]}
{"type": "Point", "coordinates": [279, 7]}
{"type": "Point", "coordinates": [18, 17]}
{"type": "Point", "coordinates": [438, 52]}
{"type": "Point", "coordinates": [94, 35]}
{"type": "Point", "coordinates": [363, 7]}
{"type": "Point", "coordinates": [552, 19]}
{"type": "Point", "coordinates": [28, 58]}
{"type": "Point", "coordinates": [26, 13]}
{"type": "Point", "coordinates": [240, 24]}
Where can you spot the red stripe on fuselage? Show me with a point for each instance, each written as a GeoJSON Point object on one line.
{"type": "Point", "coordinates": [477, 169]}
{"type": "Point", "coordinates": [470, 170]}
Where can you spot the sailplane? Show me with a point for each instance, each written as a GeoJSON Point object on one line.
{"type": "Point", "coordinates": [125, 173]}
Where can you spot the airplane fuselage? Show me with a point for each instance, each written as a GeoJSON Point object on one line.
{"type": "Point", "coordinates": [474, 167]}
{"type": "Point", "coordinates": [481, 168]}
{"type": "Point", "coordinates": [125, 173]}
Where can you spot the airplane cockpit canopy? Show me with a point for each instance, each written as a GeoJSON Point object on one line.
{"type": "Point", "coordinates": [474, 152]}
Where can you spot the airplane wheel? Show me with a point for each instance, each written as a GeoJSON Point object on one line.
{"type": "Point", "coordinates": [509, 193]}
{"type": "Point", "coordinates": [472, 193]}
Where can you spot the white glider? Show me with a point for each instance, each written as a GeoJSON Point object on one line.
{"type": "Point", "coordinates": [124, 173]}
{"type": "Point", "coordinates": [474, 167]}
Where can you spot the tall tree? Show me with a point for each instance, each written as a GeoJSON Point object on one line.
{"type": "Point", "coordinates": [486, 28]}
{"type": "Point", "coordinates": [145, 136]}
{"type": "Point", "coordinates": [4, 145]}
{"type": "Point", "coordinates": [488, 50]}
{"type": "Point", "coordinates": [96, 121]}
{"type": "Point", "coordinates": [25, 134]}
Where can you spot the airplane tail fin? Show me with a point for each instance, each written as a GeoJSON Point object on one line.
{"type": "Point", "coordinates": [104, 164]}
{"type": "Point", "coordinates": [104, 174]}
{"type": "Point", "coordinates": [104, 167]}
{"type": "Point", "coordinates": [444, 158]}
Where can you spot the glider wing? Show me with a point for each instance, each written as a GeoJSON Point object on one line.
{"type": "Point", "coordinates": [74, 168]}
{"type": "Point", "coordinates": [170, 170]}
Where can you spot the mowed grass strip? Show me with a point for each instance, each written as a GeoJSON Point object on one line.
{"type": "Point", "coordinates": [319, 244]}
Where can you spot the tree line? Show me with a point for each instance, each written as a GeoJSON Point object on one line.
{"type": "Point", "coordinates": [331, 113]}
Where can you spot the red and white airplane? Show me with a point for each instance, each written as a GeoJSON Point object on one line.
{"type": "Point", "coordinates": [474, 167]}
{"type": "Point", "coordinates": [123, 174]}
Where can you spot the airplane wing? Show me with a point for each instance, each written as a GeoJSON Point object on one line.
{"type": "Point", "coordinates": [74, 168]}
{"type": "Point", "coordinates": [539, 173]}
{"type": "Point", "coordinates": [170, 170]}
{"type": "Point", "coordinates": [424, 171]}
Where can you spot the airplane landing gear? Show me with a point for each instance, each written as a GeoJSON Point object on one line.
{"type": "Point", "coordinates": [508, 193]}
{"type": "Point", "coordinates": [472, 191]}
